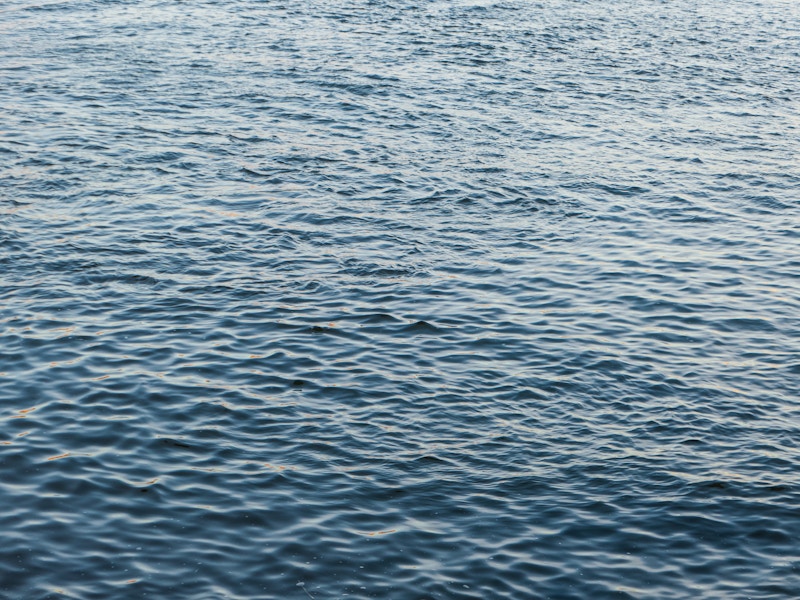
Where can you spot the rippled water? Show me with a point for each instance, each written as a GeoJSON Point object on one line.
{"type": "Point", "coordinates": [399, 299]}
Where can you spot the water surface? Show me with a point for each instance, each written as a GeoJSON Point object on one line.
{"type": "Point", "coordinates": [399, 299]}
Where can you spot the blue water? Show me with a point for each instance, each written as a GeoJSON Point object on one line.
{"type": "Point", "coordinates": [399, 299]}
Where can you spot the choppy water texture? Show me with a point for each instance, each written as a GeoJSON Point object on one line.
{"type": "Point", "coordinates": [399, 299]}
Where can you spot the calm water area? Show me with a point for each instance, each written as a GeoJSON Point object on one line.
{"type": "Point", "coordinates": [399, 299]}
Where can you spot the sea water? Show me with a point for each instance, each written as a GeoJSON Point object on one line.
{"type": "Point", "coordinates": [399, 299]}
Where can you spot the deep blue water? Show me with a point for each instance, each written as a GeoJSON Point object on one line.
{"type": "Point", "coordinates": [399, 299]}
